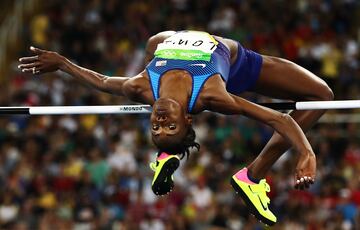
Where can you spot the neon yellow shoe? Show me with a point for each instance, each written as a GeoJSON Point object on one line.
{"type": "Point", "coordinates": [254, 196]}
{"type": "Point", "coordinates": [164, 167]}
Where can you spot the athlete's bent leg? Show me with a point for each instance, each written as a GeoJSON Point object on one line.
{"type": "Point", "coordinates": [283, 79]}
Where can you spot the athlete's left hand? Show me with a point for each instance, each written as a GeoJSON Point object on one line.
{"type": "Point", "coordinates": [43, 61]}
{"type": "Point", "coordinates": [305, 171]}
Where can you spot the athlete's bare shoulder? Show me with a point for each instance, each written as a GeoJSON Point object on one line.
{"type": "Point", "coordinates": [138, 89]}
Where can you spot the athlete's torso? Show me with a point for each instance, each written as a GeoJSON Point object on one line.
{"type": "Point", "coordinates": [196, 52]}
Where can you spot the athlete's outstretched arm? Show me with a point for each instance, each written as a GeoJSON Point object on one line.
{"type": "Point", "coordinates": [45, 61]}
{"type": "Point", "coordinates": [282, 123]}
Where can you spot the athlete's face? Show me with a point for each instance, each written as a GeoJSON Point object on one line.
{"type": "Point", "coordinates": [169, 122]}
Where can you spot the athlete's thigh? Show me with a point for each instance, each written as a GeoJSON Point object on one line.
{"type": "Point", "coordinates": [283, 79]}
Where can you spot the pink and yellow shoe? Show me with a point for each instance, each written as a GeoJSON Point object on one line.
{"type": "Point", "coordinates": [164, 167]}
{"type": "Point", "coordinates": [254, 195]}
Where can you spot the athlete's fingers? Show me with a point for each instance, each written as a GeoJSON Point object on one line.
{"type": "Point", "coordinates": [29, 59]}
{"type": "Point", "coordinates": [301, 186]}
{"type": "Point", "coordinates": [311, 180]}
{"type": "Point", "coordinates": [306, 181]}
{"type": "Point", "coordinates": [37, 50]}
{"type": "Point", "coordinates": [306, 185]}
{"type": "Point", "coordinates": [297, 184]}
{"type": "Point", "coordinates": [32, 70]}
{"type": "Point", "coordinates": [36, 70]}
{"type": "Point", "coordinates": [29, 65]}
{"type": "Point", "coordinates": [302, 183]}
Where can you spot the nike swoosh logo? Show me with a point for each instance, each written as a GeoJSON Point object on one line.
{"type": "Point", "coordinates": [265, 207]}
{"type": "Point", "coordinates": [201, 65]}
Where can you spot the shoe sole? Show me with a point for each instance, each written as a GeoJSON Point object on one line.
{"type": "Point", "coordinates": [160, 187]}
{"type": "Point", "coordinates": [249, 204]}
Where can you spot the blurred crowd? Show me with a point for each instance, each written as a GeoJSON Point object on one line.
{"type": "Point", "coordinates": [91, 172]}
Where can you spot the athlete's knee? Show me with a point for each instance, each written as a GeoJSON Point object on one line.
{"type": "Point", "coordinates": [321, 90]}
{"type": "Point", "coordinates": [324, 93]}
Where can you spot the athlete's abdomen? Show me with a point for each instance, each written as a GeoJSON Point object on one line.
{"type": "Point", "coordinates": [219, 63]}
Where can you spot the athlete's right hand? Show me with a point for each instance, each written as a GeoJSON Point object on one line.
{"type": "Point", "coordinates": [305, 171]}
{"type": "Point", "coordinates": [43, 61]}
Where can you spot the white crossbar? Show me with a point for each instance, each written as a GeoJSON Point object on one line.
{"type": "Point", "coordinates": [313, 105]}
{"type": "Point", "coordinates": [106, 109]}
{"type": "Point", "coordinates": [136, 109]}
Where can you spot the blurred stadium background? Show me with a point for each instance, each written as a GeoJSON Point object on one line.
{"type": "Point", "coordinates": [91, 172]}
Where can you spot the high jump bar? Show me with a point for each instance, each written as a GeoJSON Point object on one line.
{"type": "Point", "coordinates": [143, 109]}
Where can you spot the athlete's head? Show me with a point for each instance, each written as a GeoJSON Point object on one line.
{"type": "Point", "coordinates": [171, 127]}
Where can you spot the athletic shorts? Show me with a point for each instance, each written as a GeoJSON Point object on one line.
{"type": "Point", "coordinates": [244, 72]}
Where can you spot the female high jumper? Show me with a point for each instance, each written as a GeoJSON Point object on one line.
{"type": "Point", "coordinates": [188, 72]}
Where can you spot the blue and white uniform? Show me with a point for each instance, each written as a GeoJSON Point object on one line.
{"type": "Point", "coordinates": [203, 56]}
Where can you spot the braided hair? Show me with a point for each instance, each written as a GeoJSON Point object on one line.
{"type": "Point", "coordinates": [182, 147]}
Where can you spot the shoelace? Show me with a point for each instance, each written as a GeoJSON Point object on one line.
{"type": "Point", "coordinates": [266, 189]}
{"type": "Point", "coordinates": [153, 166]}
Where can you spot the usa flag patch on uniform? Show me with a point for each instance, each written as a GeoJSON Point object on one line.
{"type": "Point", "coordinates": [161, 63]}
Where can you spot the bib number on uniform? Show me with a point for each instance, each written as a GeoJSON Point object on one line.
{"type": "Point", "coordinates": [187, 45]}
